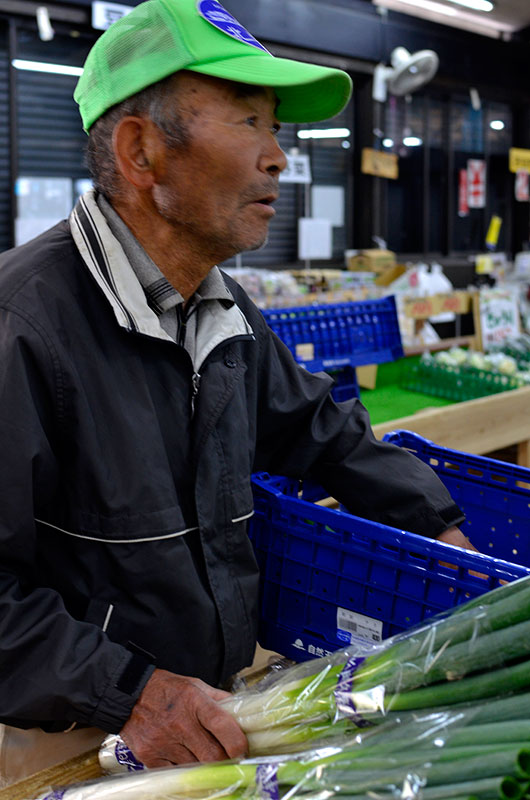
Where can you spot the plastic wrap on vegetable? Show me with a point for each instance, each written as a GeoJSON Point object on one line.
{"type": "Point", "coordinates": [114, 756]}
{"type": "Point", "coordinates": [440, 711]}
{"type": "Point", "coordinates": [431, 756]}
{"type": "Point", "coordinates": [479, 650]}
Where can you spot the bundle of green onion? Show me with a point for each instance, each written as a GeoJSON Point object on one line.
{"type": "Point", "coordinates": [479, 650]}
{"type": "Point", "coordinates": [439, 712]}
{"type": "Point", "coordinates": [478, 751]}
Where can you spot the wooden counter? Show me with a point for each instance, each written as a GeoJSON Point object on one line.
{"type": "Point", "coordinates": [83, 767]}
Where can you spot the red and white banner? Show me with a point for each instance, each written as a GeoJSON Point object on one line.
{"type": "Point", "coordinates": [463, 208]}
{"type": "Point", "coordinates": [522, 186]}
{"type": "Point", "coordinates": [476, 183]}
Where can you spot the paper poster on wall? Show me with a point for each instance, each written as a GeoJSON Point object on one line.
{"type": "Point", "coordinates": [105, 13]}
{"type": "Point", "coordinates": [522, 180]}
{"type": "Point", "coordinates": [298, 169]}
{"type": "Point", "coordinates": [315, 237]}
{"type": "Point", "coordinates": [463, 207]}
{"type": "Point", "coordinates": [476, 183]}
{"type": "Point", "coordinates": [41, 203]}
{"type": "Point", "coordinates": [498, 316]}
{"type": "Point", "coordinates": [327, 202]}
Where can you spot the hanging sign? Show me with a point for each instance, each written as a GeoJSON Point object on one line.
{"type": "Point", "coordinates": [384, 165]}
{"type": "Point", "coordinates": [498, 316]}
{"type": "Point", "coordinates": [519, 159]}
{"type": "Point", "coordinates": [463, 207]}
{"type": "Point", "coordinates": [424, 307]}
{"type": "Point", "coordinates": [522, 193]}
{"type": "Point", "coordinates": [298, 169]}
{"type": "Point", "coordinates": [104, 14]}
{"type": "Point", "coordinates": [476, 183]}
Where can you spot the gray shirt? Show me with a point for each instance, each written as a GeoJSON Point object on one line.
{"type": "Point", "coordinates": [177, 321]}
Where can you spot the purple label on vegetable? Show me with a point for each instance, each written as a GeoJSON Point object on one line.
{"type": "Point", "coordinates": [219, 17]}
{"type": "Point", "coordinates": [267, 781]}
{"type": "Point", "coordinates": [343, 691]}
{"type": "Point", "coordinates": [58, 794]}
{"type": "Point", "coordinates": [126, 757]}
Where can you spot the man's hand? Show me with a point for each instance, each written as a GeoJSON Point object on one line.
{"type": "Point", "coordinates": [455, 536]}
{"type": "Point", "coordinates": [177, 720]}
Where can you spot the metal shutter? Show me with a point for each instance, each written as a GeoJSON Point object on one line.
{"type": "Point", "coordinates": [5, 200]}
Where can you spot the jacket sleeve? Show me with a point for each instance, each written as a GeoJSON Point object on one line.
{"type": "Point", "coordinates": [55, 670]}
{"type": "Point", "coordinates": [303, 433]}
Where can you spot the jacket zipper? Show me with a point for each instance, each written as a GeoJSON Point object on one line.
{"type": "Point", "coordinates": [195, 382]}
{"type": "Point", "coordinates": [195, 378]}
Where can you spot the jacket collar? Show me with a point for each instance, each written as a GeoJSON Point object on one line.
{"type": "Point", "coordinates": [110, 267]}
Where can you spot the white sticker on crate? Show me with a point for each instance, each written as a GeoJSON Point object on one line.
{"type": "Point", "coordinates": [305, 351]}
{"type": "Point", "coordinates": [352, 626]}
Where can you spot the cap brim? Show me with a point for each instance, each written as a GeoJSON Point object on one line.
{"type": "Point", "coordinates": [306, 92]}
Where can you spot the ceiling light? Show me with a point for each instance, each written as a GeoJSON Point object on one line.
{"type": "Point", "coordinates": [497, 124]}
{"type": "Point", "coordinates": [451, 15]}
{"type": "Point", "coordinates": [412, 141]}
{"type": "Point", "coordinates": [324, 133]}
{"type": "Point", "coordinates": [475, 5]}
{"type": "Point", "coordinates": [44, 66]}
{"type": "Point", "coordinates": [388, 143]}
{"type": "Point", "coordinates": [428, 5]}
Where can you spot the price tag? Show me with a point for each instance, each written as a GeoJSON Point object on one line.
{"type": "Point", "coordinates": [352, 626]}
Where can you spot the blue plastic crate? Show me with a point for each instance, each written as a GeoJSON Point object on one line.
{"type": "Point", "coordinates": [339, 334]}
{"type": "Point", "coordinates": [346, 385]}
{"type": "Point", "coordinates": [328, 577]}
{"type": "Point", "coordinates": [494, 495]}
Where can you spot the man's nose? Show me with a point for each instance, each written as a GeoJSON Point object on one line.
{"type": "Point", "coordinates": [273, 159]}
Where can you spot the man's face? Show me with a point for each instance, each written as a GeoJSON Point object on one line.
{"type": "Point", "coordinates": [217, 188]}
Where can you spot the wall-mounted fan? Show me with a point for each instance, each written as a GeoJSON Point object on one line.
{"type": "Point", "coordinates": [408, 72]}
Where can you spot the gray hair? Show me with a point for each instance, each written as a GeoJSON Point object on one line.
{"type": "Point", "coordinates": [152, 102]}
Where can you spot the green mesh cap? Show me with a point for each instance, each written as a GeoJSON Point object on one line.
{"type": "Point", "coordinates": [160, 37]}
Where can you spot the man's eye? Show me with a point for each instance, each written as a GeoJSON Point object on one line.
{"type": "Point", "coordinates": [276, 129]}
{"type": "Point", "coordinates": [251, 122]}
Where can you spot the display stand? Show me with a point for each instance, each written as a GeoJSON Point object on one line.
{"type": "Point", "coordinates": [474, 426]}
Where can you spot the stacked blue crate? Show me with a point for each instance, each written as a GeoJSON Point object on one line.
{"type": "Point", "coordinates": [337, 337]}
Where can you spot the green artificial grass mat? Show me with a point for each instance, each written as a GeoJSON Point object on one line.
{"type": "Point", "coordinates": [389, 400]}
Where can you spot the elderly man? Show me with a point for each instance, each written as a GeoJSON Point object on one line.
{"type": "Point", "coordinates": [139, 389]}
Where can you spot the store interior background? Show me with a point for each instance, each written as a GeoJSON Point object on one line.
{"type": "Point", "coordinates": [416, 215]}
{"type": "Point", "coordinates": [477, 106]}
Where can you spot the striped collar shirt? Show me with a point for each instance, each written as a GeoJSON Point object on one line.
{"type": "Point", "coordinates": [178, 321]}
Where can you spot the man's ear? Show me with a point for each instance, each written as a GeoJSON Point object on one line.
{"type": "Point", "coordinates": [136, 143]}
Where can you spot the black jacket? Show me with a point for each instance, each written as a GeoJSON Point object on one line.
{"type": "Point", "coordinates": [125, 492]}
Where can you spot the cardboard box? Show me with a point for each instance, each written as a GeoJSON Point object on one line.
{"type": "Point", "coordinates": [390, 275]}
{"type": "Point", "coordinates": [375, 260]}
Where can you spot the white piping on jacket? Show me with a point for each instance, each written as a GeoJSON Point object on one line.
{"type": "Point", "coordinates": [246, 516]}
{"type": "Point", "coordinates": [118, 541]}
{"type": "Point", "coordinates": [107, 618]}
{"type": "Point", "coordinates": [132, 541]}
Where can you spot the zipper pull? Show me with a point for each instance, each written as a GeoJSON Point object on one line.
{"type": "Point", "coordinates": [195, 382]}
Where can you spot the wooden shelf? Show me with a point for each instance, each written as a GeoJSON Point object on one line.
{"type": "Point", "coordinates": [443, 344]}
{"type": "Point", "coordinates": [474, 426]}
